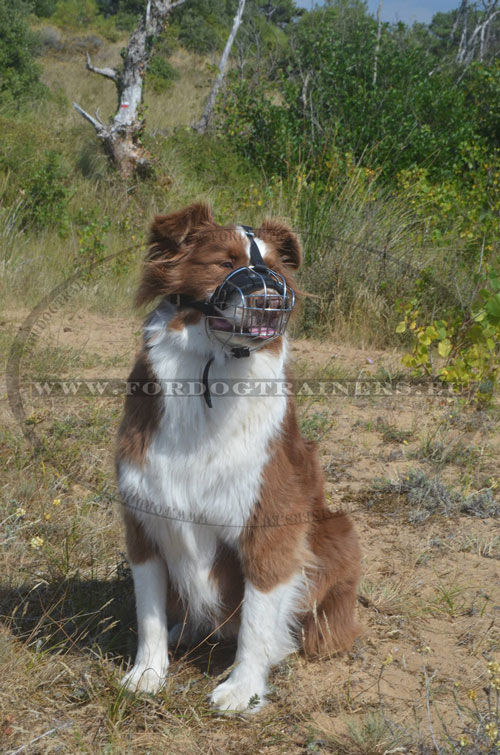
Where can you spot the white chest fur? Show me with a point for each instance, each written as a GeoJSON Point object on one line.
{"type": "Point", "coordinates": [203, 470]}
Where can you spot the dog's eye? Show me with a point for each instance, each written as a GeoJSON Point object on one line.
{"type": "Point", "coordinates": [227, 263]}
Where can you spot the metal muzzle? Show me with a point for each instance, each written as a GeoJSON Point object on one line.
{"type": "Point", "coordinates": [250, 308]}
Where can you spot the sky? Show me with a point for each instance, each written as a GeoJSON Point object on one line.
{"type": "Point", "coordinates": [403, 10]}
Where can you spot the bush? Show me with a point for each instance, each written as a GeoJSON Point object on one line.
{"type": "Point", "coordinates": [421, 111]}
{"type": "Point", "coordinates": [161, 74]}
{"type": "Point", "coordinates": [461, 348]}
{"type": "Point", "coordinates": [19, 74]}
{"type": "Point", "coordinates": [46, 196]}
{"type": "Point", "coordinates": [203, 25]}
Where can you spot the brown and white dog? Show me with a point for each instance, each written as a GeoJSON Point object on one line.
{"type": "Point", "coordinates": [226, 524]}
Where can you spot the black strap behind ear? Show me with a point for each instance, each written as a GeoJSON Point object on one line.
{"type": "Point", "coordinates": [255, 256]}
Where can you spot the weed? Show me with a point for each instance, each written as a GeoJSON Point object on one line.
{"type": "Point", "coordinates": [368, 734]}
{"type": "Point", "coordinates": [392, 433]}
{"type": "Point", "coordinates": [316, 425]}
{"type": "Point", "coordinates": [455, 451]}
{"type": "Point", "coordinates": [426, 496]}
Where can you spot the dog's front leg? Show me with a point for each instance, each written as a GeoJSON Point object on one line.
{"type": "Point", "coordinates": [151, 663]}
{"type": "Point", "coordinates": [265, 637]}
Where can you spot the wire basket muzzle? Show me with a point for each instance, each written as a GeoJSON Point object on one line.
{"type": "Point", "coordinates": [251, 307]}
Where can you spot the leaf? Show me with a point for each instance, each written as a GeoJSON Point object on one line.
{"type": "Point", "coordinates": [444, 348]}
{"type": "Point", "coordinates": [493, 306]}
{"type": "Point", "coordinates": [431, 332]}
{"type": "Point", "coordinates": [401, 327]}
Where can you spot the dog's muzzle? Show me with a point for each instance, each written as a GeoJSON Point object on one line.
{"type": "Point", "coordinates": [250, 308]}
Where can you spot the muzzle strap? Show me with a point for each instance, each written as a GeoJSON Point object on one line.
{"type": "Point", "coordinates": [183, 301]}
{"type": "Point", "coordinates": [256, 259]}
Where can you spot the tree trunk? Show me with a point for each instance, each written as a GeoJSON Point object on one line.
{"type": "Point", "coordinates": [204, 121]}
{"type": "Point", "coordinates": [121, 137]}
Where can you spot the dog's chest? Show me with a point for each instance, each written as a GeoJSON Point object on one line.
{"type": "Point", "coordinates": [205, 465]}
{"type": "Point", "coordinates": [207, 470]}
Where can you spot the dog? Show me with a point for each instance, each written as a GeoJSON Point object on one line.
{"type": "Point", "coordinates": [227, 530]}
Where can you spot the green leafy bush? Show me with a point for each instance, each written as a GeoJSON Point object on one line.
{"type": "Point", "coordinates": [19, 73]}
{"type": "Point", "coordinates": [203, 25]}
{"type": "Point", "coordinates": [463, 348]}
{"type": "Point", "coordinates": [419, 109]}
{"type": "Point", "coordinates": [47, 197]}
{"type": "Point", "coordinates": [161, 74]}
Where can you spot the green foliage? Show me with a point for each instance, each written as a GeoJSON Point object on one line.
{"type": "Point", "coordinates": [46, 196]}
{"type": "Point", "coordinates": [465, 205]}
{"type": "Point", "coordinates": [203, 25]}
{"type": "Point", "coordinates": [462, 349]}
{"type": "Point", "coordinates": [19, 74]}
{"type": "Point", "coordinates": [84, 14]}
{"type": "Point", "coordinates": [419, 111]}
{"type": "Point", "coordinates": [161, 74]}
{"type": "Point", "coordinates": [44, 8]}
{"type": "Point", "coordinates": [92, 246]}
{"type": "Point", "coordinates": [75, 14]}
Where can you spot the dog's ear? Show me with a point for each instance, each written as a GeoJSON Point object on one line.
{"type": "Point", "coordinates": [285, 241]}
{"type": "Point", "coordinates": [169, 231]}
{"type": "Point", "coordinates": [167, 239]}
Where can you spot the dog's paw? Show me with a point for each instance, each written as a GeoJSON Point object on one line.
{"type": "Point", "coordinates": [145, 678]}
{"type": "Point", "coordinates": [237, 695]}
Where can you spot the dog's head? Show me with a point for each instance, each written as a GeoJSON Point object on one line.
{"type": "Point", "coordinates": [191, 255]}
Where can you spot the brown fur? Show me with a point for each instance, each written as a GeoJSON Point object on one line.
{"type": "Point", "coordinates": [227, 574]}
{"type": "Point", "coordinates": [292, 528]}
{"type": "Point", "coordinates": [141, 416]}
{"type": "Point", "coordinates": [139, 547]}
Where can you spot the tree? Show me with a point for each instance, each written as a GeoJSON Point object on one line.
{"type": "Point", "coordinates": [121, 138]}
{"type": "Point", "coordinates": [19, 73]}
{"type": "Point", "coordinates": [204, 121]}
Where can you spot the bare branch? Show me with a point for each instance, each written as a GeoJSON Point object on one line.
{"type": "Point", "coordinates": [305, 84]}
{"type": "Point", "coordinates": [97, 124]}
{"type": "Point", "coordinates": [109, 73]}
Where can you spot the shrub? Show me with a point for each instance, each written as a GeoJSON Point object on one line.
{"type": "Point", "coordinates": [46, 196]}
{"type": "Point", "coordinates": [426, 496]}
{"type": "Point", "coordinates": [463, 348]}
{"type": "Point", "coordinates": [19, 74]}
{"type": "Point", "coordinates": [161, 74]}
